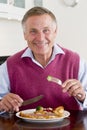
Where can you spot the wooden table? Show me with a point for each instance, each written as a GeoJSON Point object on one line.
{"type": "Point", "coordinates": [76, 121]}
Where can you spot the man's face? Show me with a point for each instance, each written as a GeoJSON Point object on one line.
{"type": "Point", "coordinates": [40, 34]}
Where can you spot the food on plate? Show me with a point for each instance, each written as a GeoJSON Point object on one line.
{"type": "Point", "coordinates": [44, 113]}
{"type": "Point", "coordinates": [39, 108]}
{"type": "Point", "coordinates": [59, 111]}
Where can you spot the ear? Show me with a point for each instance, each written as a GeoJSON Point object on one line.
{"type": "Point", "coordinates": [55, 31]}
{"type": "Point", "coordinates": [25, 36]}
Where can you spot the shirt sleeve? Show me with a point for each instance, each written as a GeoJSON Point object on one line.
{"type": "Point", "coordinates": [82, 77]}
{"type": "Point", "coordinates": [4, 80]}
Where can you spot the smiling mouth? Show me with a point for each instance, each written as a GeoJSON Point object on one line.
{"type": "Point", "coordinates": [41, 44]}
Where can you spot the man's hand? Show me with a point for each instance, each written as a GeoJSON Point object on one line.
{"type": "Point", "coordinates": [74, 88]}
{"type": "Point", "coordinates": [11, 102]}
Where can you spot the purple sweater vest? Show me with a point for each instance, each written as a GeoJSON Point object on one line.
{"type": "Point", "coordinates": [29, 80]}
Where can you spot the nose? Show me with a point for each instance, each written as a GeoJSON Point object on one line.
{"type": "Point", "coordinates": [40, 36]}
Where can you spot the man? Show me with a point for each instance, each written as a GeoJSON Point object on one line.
{"type": "Point", "coordinates": [24, 75]}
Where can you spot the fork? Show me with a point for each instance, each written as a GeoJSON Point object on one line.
{"type": "Point", "coordinates": [58, 81]}
{"type": "Point", "coordinates": [53, 79]}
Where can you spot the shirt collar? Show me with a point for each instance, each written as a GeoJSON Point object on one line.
{"type": "Point", "coordinates": [56, 50]}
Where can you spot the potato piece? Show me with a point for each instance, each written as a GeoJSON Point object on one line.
{"type": "Point", "coordinates": [59, 111]}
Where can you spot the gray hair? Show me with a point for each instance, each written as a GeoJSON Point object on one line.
{"type": "Point", "coordinates": [37, 11]}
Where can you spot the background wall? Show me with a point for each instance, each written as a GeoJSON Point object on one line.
{"type": "Point", "coordinates": [72, 28]}
{"type": "Point", "coordinates": [72, 25]}
{"type": "Point", "coordinates": [11, 37]}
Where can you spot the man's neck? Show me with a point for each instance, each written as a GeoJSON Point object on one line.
{"type": "Point", "coordinates": [43, 59]}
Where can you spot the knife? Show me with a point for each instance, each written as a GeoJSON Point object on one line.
{"type": "Point", "coordinates": [32, 100]}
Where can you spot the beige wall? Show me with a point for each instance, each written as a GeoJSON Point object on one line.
{"type": "Point", "coordinates": [72, 28]}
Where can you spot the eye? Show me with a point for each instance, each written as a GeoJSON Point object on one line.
{"type": "Point", "coordinates": [46, 30]}
{"type": "Point", "coordinates": [33, 31]}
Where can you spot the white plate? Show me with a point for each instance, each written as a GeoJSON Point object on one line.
{"type": "Point", "coordinates": [66, 114]}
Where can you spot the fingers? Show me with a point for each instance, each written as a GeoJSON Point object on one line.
{"type": "Point", "coordinates": [11, 102]}
{"type": "Point", "coordinates": [74, 88]}
{"type": "Point", "coordinates": [68, 84]}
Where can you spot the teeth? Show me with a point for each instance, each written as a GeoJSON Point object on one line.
{"type": "Point", "coordinates": [41, 43]}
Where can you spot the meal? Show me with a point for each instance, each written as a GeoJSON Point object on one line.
{"type": "Point", "coordinates": [44, 113]}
